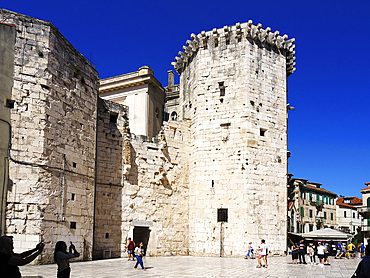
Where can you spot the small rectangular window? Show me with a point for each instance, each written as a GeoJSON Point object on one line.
{"type": "Point", "coordinates": [9, 103]}
{"type": "Point", "coordinates": [354, 215]}
{"type": "Point", "coordinates": [73, 225]}
{"type": "Point", "coordinates": [222, 88]}
{"type": "Point", "coordinates": [106, 235]}
{"type": "Point", "coordinates": [324, 214]}
{"type": "Point", "coordinates": [73, 197]}
{"type": "Point", "coordinates": [113, 117]}
{"type": "Point", "coordinates": [74, 164]}
{"type": "Point", "coordinates": [345, 214]}
{"type": "Point", "coordinates": [332, 216]}
{"type": "Point", "coordinates": [262, 132]}
{"type": "Point", "coordinates": [222, 215]}
{"type": "Point", "coordinates": [311, 213]}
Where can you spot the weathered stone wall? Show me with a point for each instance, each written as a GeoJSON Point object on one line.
{"type": "Point", "coordinates": [233, 89]}
{"type": "Point", "coordinates": [112, 132]}
{"type": "Point", "coordinates": [7, 42]}
{"type": "Point", "coordinates": [54, 125]}
{"type": "Point", "coordinates": [155, 193]}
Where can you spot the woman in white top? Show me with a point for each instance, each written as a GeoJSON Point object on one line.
{"type": "Point", "coordinates": [61, 257]}
{"type": "Point", "coordinates": [139, 253]}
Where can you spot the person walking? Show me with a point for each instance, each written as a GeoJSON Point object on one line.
{"type": "Point", "coordinates": [9, 261]}
{"type": "Point", "coordinates": [361, 250]}
{"type": "Point", "coordinates": [130, 249]}
{"type": "Point", "coordinates": [302, 252]}
{"type": "Point", "coordinates": [339, 251]}
{"type": "Point", "coordinates": [139, 253]}
{"type": "Point", "coordinates": [61, 257]}
{"type": "Point", "coordinates": [262, 254]}
{"type": "Point", "coordinates": [351, 250]}
{"type": "Point", "coordinates": [250, 251]}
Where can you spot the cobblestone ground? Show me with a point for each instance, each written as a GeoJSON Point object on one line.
{"type": "Point", "coordinates": [179, 267]}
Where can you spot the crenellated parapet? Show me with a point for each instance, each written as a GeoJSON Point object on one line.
{"type": "Point", "coordinates": [235, 34]}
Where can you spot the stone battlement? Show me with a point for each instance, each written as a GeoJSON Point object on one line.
{"type": "Point", "coordinates": [235, 34]}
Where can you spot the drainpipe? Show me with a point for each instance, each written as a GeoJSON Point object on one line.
{"type": "Point", "coordinates": [63, 186]}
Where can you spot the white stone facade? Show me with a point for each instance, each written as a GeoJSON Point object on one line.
{"type": "Point", "coordinates": [233, 91]}
{"type": "Point", "coordinates": [205, 184]}
{"type": "Point", "coordinates": [51, 173]}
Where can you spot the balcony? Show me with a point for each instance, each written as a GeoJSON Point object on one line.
{"type": "Point", "coordinates": [319, 204]}
{"type": "Point", "coordinates": [365, 228]}
{"type": "Point", "coordinates": [364, 211]}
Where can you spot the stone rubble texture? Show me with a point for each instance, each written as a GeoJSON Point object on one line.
{"type": "Point", "coordinates": [228, 149]}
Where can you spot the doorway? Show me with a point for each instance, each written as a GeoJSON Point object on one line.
{"type": "Point", "coordinates": [142, 234]}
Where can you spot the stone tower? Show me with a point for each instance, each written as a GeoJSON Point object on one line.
{"type": "Point", "coordinates": [233, 90]}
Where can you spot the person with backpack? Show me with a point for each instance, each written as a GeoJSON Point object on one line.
{"type": "Point", "coordinates": [130, 249]}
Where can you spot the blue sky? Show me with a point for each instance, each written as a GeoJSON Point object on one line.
{"type": "Point", "coordinates": [329, 131]}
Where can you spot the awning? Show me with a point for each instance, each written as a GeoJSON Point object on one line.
{"type": "Point", "coordinates": [326, 234]}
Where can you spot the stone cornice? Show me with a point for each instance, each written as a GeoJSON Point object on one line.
{"type": "Point", "coordinates": [234, 34]}
{"type": "Point", "coordinates": [127, 80]}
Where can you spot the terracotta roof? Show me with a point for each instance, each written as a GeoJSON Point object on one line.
{"type": "Point", "coordinates": [367, 183]}
{"type": "Point", "coordinates": [354, 200]}
{"type": "Point", "coordinates": [365, 189]}
{"type": "Point", "coordinates": [322, 190]}
{"type": "Point", "coordinates": [339, 202]}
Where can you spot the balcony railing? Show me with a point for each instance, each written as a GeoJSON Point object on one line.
{"type": "Point", "coordinates": [365, 228]}
{"type": "Point", "coordinates": [363, 209]}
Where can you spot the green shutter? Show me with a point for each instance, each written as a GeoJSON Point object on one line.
{"type": "Point", "coordinates": [302, 211]}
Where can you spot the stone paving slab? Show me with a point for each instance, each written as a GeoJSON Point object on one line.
{"type": "Point", "coordinates": [183, 267]}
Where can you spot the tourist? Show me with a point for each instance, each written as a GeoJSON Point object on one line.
{"type": "Point", "coordinates": [363, 268]}
{"type": "Point", "coordinates": [139, 253]}
{"type": "Point", "coordinates": [351, 250]}
{"type": "Point", "coordinates": [250, 251]}
{"type": "Point", "coordinates": [326, 254]}
{"type": "Point", "coordinates": [295, 250]}
{"type": "Point", "coordinates": [321, 253]}
{"type": "Point", "coordinates": [340, 251]}
{"type": "Point", "coordinates": [263, 250]}
{"type": "Point", "coordinates": [302, 252]}
{"type": "Point", "coordinates": [61, 257]}
{"type": "Point", "coordinates": [130, 249]}
{"type": "Point", "coordinates": [9, 261]}
{"type": "Point", "coordinates": [361, 250]}
{"type": "Point", "coordinates": [311, 253]}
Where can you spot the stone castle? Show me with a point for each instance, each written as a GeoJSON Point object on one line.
{"type": "Point", "coordinates": [198, 168]}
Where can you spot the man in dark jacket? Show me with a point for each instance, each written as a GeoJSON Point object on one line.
{"type": "Point", "coordinates": [363, 268]}
{"type": "Point", "coordinates": [9, 261]}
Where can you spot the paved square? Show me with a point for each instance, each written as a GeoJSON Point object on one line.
{"type": "Point", "coordinates": [279, 267]}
